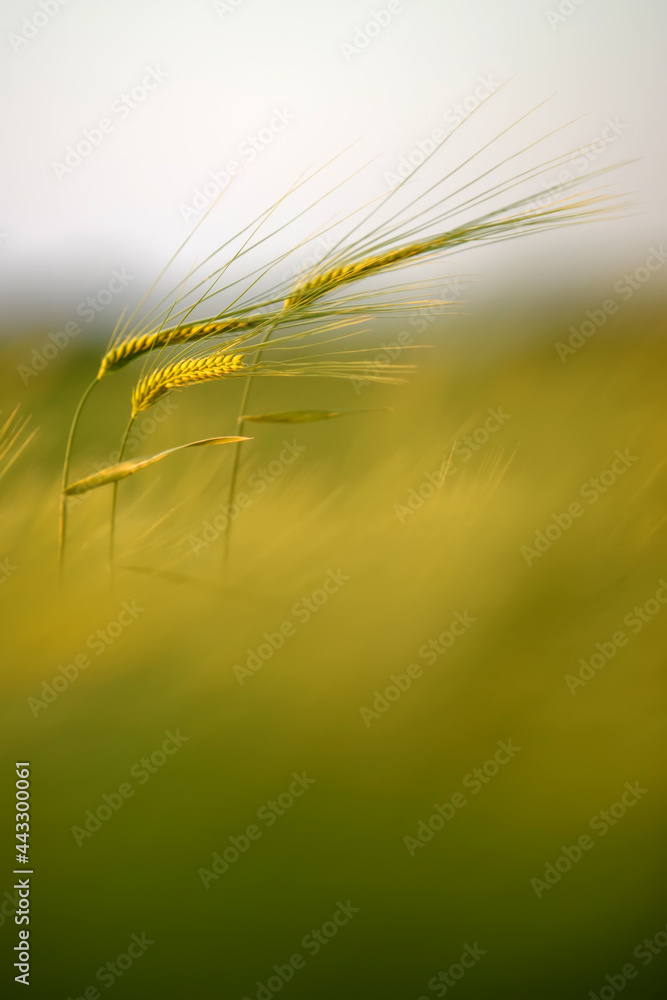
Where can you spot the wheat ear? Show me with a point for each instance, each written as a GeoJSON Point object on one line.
{"type": "Point", "coordinates": [484, 229]}
{"type": "Point", "coordinates": [180, 374]}
{"type": "Point", "coordinates": [134, 347]}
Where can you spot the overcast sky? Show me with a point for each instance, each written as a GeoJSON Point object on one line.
{"type": "Point", "coordinates": [117, 114]}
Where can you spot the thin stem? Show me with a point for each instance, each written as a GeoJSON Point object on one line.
{"type": "Point", "coordinates": [114, 498]}
{"type": "Point", "coordinates": [62, 527]}
{"type": "Point", "coordinates": [240, 423]}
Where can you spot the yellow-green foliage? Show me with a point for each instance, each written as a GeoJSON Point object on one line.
{"type": "Point", "coordinates": [342, 504]}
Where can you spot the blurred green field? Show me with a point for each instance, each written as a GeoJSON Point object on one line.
{"type": "Point", "coordinates": [362, 504]}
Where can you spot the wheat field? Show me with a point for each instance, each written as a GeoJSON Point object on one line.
{"type": "Point", "coordinates": [375, 739]}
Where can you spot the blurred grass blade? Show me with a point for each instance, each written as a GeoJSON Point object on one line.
{"type": "Point", "coordinates": [124, 469]}
{"type": "Point", "coordinates": [11, 445]}
{"type": "Point", "coordinates": [306, 416]}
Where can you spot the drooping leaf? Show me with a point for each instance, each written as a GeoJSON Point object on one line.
{"type": "Point", "coordinates": [124, 469]}
{"type": "Point", "coordinates": [305, 416]}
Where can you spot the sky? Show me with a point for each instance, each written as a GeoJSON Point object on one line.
{"type": "Point", "coordinates": [124, 121]}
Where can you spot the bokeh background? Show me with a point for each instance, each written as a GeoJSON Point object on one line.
{"type": "Point", "coordinates": [358, 500]}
